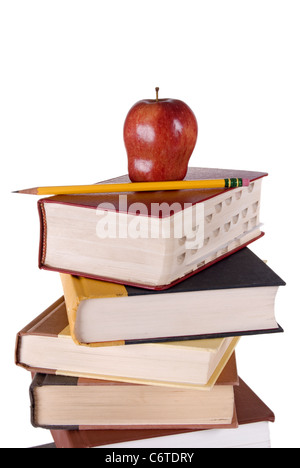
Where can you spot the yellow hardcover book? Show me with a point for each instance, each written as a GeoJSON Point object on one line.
{"type": "Point", "coordinates": [77, 290]}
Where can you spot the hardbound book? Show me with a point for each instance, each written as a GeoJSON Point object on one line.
{"type": "Point", "coordinates": [221, 300]}
{"type": "Point", "coordinates": [253, 417]}
{"type": "Point", "coordinates": [149, 239]}
{"type": "Point", "coordinates": [45, 345]}
{"type": "Point", "coordinates": [63, 402]}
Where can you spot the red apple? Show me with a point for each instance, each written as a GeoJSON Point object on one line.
{"type": "Point", "coordinates": [160, 136]}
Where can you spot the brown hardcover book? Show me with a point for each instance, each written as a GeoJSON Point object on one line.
{"type": "Point", "coordinates": [250, 409]}
{"type": "Point", "coordinates": [149, 239]}
{"type": "Point", "coordinates": [45, 345]}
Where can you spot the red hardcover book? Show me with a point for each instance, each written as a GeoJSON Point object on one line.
{"type": "Point", "coordinates": [149, 239]}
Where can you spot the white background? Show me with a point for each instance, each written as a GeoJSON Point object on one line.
{"type": "Point", "coordinates": [70, 71]}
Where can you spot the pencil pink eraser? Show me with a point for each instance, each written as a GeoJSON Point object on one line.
{"type": "Point", "coordinates": [246, 182]}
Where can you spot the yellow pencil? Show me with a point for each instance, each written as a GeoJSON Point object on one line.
{"type": "Point", "coordinates": [137, 187]}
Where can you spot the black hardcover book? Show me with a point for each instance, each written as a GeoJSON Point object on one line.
{"type": "Point", "coordinates": [235, 296]}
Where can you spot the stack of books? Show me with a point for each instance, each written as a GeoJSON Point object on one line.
{"type": "Point", "coordinates": [157, 290]}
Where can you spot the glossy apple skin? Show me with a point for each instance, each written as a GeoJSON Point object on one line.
{"type": "Point", "coordinates": [159, 136]}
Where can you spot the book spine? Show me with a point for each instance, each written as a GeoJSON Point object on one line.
{"type": "Point", "coordinates": [43, 233]}
{"type": "Point", "coordinates": [31, 327]}
{"type": "Point", "coordinates": [40, 380]}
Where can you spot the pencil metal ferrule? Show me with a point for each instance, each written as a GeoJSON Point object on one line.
{"type": "Point", "coordinates": [233, 182]}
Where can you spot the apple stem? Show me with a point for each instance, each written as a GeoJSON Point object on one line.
{"type": "Point", "coordinates": [156, 89]}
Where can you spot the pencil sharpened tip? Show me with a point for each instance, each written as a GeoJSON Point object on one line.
{"type": "Point", "coordinates": [32, 191]}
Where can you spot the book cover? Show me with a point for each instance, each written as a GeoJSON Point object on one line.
{"type": "Point", "coordinates": [70, 243]}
